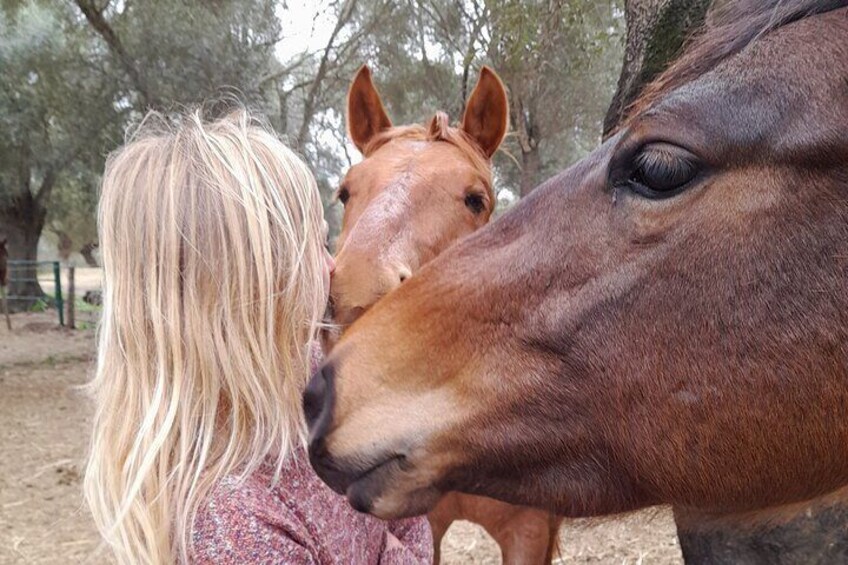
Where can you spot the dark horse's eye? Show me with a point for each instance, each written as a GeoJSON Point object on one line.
{"type": "Point", "coordinates": [475, 202]}
{"type": "Point", "coordinates": [661, 170]}
{"type": "Point", "coordinates": [343, 195]}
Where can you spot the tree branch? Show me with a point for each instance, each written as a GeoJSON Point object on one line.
{"type": "Point", "coordinates": [470, 54]}
{"type": "Point", "coordinates": [47, 184]}
{"type": "Point", "coordinates": [309, 105]}
{"type": "Point", "coordinates": [439, 19]}
{"type": "Point", "coordinates": [95, 18]}
{"type": "Point", "coordinates": [656, 30]}
{"type": "Point", "coordinates": [285, 70]}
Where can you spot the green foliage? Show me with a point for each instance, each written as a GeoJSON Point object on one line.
{"type": "Point", "coordinates": [84, 307]}
{"type": "Point", "coordinates": [190, 51]}
{"type": "Point", "coordinates": [77, 73]}
{"type": "Point", "coordinates": [76, 77]}
{"type": "Point", "coordinates": [54, 108]}
{"type": "Point", "coordinates": [71, 215]}
{"type": "Point", "coordinates": [560, 60]}
{"type": "Point", "coordinates": [40, 305]}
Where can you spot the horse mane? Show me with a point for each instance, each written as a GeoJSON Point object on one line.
{"type": "Point", "coordinates": [439, 129]}
{"type": "Point", "coordinates": [728, 31]}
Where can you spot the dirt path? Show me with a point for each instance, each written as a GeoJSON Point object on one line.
{"type": "Point", "coordinates": [44, 421]}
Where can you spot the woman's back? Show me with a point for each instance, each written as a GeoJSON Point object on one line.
{"type": "Point", "coordinates": [212, 236]}
{"type": "Point", "coordinates": [299, 520]}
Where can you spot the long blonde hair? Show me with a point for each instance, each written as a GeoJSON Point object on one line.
{"type": "Point", "coordinates": [211, 235]}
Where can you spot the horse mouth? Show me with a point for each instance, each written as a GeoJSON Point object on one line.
{"type": "Point", "coordinates": [363, 491]}
{"type": "Point", "coordinates": [361, 486]}
{"type": "Point", "coordinates": [336, 321]}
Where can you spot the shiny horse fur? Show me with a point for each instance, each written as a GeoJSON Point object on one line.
{"type": "Point", "coordinates": [417, 191]}
{"type": "Point", "coordinates": [598, 349]}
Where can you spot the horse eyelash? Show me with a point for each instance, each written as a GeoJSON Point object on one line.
{"type": "Point", "coordinates": [342, 190]}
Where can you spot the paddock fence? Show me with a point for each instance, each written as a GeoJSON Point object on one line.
{"type": "Point", "coordinates": [68, 290]}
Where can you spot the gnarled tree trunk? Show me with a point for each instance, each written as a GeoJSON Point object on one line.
{"type": "Point", "coordinates": [23, 219]}
{"type": "Point", "coordinates": [656, 31]}
{"type": "Point", "coordinates": [87, 252]}
{"type": "Point", "coordinates": [528, 142]}
{"type": "Point", "coordinates": [64, 246]}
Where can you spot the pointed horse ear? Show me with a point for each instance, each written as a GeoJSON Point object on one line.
{"type": "Point", "coordinates": [366, 115]}
{"type": "Point", "coordinates": [486, 116]}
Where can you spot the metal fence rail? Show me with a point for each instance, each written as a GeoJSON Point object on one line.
{"type": "Point", "coordinates": [20, 267]}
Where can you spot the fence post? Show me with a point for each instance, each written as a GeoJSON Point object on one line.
{"type": "Point", "coordinates": [60, 304]}
{"type": "Point", "coordinates": [71, 299]}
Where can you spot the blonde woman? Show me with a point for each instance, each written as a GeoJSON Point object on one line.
{"type": "Point", "coordinates": [216, 274]}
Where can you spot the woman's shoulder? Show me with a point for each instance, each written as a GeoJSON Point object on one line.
{"type": "Point", "coordinates": [295, 519]}
{"type": "Point", "coordinates": [234, 495]}
{"type": "Point", "coordinates": [244, 519]}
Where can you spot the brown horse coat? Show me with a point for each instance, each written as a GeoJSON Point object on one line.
{"type": "Point", "coordinates": [665, 322]}
{"type": "Point", "coordinates": [417, 191]}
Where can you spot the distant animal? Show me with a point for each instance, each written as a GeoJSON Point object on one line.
{"type": "Point", "coordinates": [419, 189]}
{"type": "Point", "coordinates": [4, 282]}
{"type": "Point", "coordinates": [665, 322]}
{"type": "Point", "coordinates": [93, 297]}
{"type": "Point", "coordinates": [4, 263]}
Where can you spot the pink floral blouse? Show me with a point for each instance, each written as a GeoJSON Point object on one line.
{"type": "Point", "coordinates": [299, 520]}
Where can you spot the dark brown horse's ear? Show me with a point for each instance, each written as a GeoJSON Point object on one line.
{"type": "Point", "coordinates": [486, 116]}
{"type": "Point", "coordinates": [366, 116]}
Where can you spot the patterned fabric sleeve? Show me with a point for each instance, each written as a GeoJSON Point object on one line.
{"type": "Point", "coordinates": [413, 545]}
{"type": "Point", "coordinates": [233, 530]}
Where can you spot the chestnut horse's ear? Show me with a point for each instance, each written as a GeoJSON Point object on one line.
{"type": "Point", "coordinates": [366, 116]}
{"type": "Point", "coordinates": [486, 115]}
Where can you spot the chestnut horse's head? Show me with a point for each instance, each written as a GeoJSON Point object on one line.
{"type": "Point", "coordinates": [417, 190]}
{"type": "Point", "coordinates": [664, 322]}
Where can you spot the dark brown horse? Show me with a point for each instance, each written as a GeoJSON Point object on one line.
{"type": "Point", "coordinates": [664, 322]}
{"type": "Point", "coordinates": [4, 281]}
{"type": "Point", "coordinates": [418, 190]}
{"type": "Point", "coordinates": [4, 262]}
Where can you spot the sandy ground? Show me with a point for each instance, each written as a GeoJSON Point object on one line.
{"type": "Point", "coordinates": [44, 420]}
{"type": "Point", "coordinates": [85, 278]}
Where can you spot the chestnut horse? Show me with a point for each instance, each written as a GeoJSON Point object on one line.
{"type": "Point", "coordinates": [417, 190]}
{"type": "Point", "coordinates": [665, 322]}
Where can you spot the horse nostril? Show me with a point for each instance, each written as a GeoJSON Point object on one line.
{"type": "Point", "coordinates": [318, 405]}
{"type": "Point", "coordinates": [313, 397]}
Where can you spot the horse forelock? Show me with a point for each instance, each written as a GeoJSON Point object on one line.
{"type": "Point", "coordinates": [439, 129]}
{"type": "Point", "coordinates": [730, 30]}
